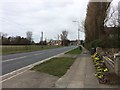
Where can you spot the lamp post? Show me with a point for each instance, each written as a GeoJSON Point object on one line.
{"type": "Point", "coordinates": [78, 31]}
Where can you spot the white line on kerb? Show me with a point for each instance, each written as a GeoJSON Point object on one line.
{"type": "Point", "coordinates": [13, 76]}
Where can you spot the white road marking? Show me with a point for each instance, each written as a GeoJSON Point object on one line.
{"type": "Point", "coordinates": [38, 53]}
{"type": "Point", "coordinates": [19, 58]}
{"type": "Point", "coordinates": [13, 76]}
{"type": "Point", "coordinates": [14, 59]}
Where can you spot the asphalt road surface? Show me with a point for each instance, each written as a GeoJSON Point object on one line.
{"type": "Point", "coordinates": [16, 61]}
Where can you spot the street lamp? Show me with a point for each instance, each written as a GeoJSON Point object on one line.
{"type": "Point", "coordinates": [78, 32]}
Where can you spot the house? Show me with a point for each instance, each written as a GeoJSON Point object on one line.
{"type": "Point", "coordinates": [55, 42]}
{"type": "Point", "coordinates": [73, 42]}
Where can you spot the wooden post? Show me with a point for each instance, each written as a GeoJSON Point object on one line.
{"type": "Point", "coordinates": [117, 63]}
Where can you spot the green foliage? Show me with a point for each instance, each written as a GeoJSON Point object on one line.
{"type": "Point", "coordinates": [111, 42]}
{"type": "Point", "coordinates": [18, 40]}
{"type": "Point", "coordinates": [65, 42]}
{"type": "Point", "coordinates": [96, 43]}
{"type": "Point", "coordinates": [24, 48]}
{"type": "Point", "coordinates": [105, 43]}
{"type": "Point", "coordinates": [75, 51]}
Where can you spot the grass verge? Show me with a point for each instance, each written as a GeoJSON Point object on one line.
{"type": "Point", "coordinates": [24, 48]}
{"type": "Point", "coordinates": [74, 51]}
{"type": "Point", "coordinates": [55, 66]}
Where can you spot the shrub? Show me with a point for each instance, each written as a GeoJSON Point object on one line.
{"type": "Point", "coordinates": [96, 43]}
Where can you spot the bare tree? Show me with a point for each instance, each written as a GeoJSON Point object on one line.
{"type": "Point", "coordinates": [112, 19]}
{"type": "Point", "coordinates": [82, 26]}
{"type": "Point", "coordinates": [3, 34]}
{"type": "Point", "coordinates": [29, 36]}
{"type": "Point", "coordinates": [64, 35]}
{"type": "Point", "coordinates": [113, 16]}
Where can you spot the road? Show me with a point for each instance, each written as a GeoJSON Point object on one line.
{"type": "Point", "coordinates": [13, 62]}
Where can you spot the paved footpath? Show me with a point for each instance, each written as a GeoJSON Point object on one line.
{"type": "Point", "coordinates": [31, 79]}
{"type": "Point", "coordinates": [81, 74]}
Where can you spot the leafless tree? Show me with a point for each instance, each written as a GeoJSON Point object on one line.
{"type": "Point", "coordinates": [82, 24]}
{"type": "Point", "coordinates": [64, 35]}
{"type": "Point", "coordinates": [29, 36]}
{"type": "Point", "coordinates": [112, 19]}
{"type": "Point", "coordinates": [3, 34]}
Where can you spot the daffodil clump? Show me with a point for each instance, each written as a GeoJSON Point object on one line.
{"type": "Point", "coordinates": [101, 69]}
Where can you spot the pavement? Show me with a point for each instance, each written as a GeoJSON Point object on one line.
{"type": "Point", "coordinates": [80, 75]}
{"type": "Point", "coordinates": [31, 79]}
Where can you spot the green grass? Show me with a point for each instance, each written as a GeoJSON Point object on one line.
{"type": "Point", "coordinates": [74, 51]}
{"type": "Point", "coordinates": [24, 48]}
{"type": "Point", "coordinates": [56, 66]}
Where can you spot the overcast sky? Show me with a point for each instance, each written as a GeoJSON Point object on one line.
{"type": "Point", "coordinates": [50, 16]}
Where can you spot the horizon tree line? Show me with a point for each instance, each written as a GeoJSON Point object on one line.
{"type": "Point", "coordinates": [28, 40]}
{"type": "Point", "coordinates": [16, 40]}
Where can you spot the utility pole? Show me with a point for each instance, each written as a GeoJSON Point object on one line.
{"type": "Point", "coordinates": [78, 32]}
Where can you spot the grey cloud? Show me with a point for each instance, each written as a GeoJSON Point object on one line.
{"type": "Point", "coordinates": [49, 16]}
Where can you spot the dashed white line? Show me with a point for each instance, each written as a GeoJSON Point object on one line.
{"type": "Point", "coordinates": [14, 59]}
{"type": "Point", "coordinates": [19, 58]}
{"type": "Point", "coordinates": [38, 53]}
